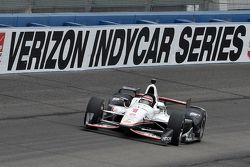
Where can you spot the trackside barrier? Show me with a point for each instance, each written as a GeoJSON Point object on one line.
{"type": "Point", "coordinates": [92, 19]}
{"type": "Point", "coordinates": [38, 49]}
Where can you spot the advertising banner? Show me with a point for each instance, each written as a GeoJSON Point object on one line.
{"type": "Point", "coordinates": [83, 48]}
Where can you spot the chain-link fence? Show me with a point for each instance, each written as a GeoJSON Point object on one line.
{"type": "Point", "coordinates": [53, 6]}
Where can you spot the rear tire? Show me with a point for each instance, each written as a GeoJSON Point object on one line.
{"type": "Point", "coordinates": [176, 121]}
{"type": "Point", "coordinates": [202, 129]}
{"type": "Point", "coordinates": [94, 112]}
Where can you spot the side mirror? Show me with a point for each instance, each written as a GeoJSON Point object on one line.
{"type": "Point", "coordinates": [161, 106]}
{"type": "Point", "coordinates": [126, 102]}
{"type": "Point", "coordinates": [124, 99]}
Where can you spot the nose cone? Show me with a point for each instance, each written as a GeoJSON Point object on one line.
{"type": "Point", "coordinates": [133, 117]}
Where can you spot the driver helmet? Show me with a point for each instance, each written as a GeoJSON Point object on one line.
{"type": "Point", "coordinates": [147, 100]}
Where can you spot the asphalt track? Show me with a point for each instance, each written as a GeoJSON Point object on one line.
{"type": "Point", "coordinates": [41, 116]}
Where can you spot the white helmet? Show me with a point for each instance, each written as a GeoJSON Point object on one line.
{"type": "Point", "coordinates": [147, 100]}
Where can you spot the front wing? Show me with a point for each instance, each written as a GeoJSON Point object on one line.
{"type": "Point", "coordinates": [136, 129]}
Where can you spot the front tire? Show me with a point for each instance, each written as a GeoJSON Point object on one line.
{"type": "Point", "coordinates": [94, 112]}
{"type": "Point", "coordinates": [176, 121]}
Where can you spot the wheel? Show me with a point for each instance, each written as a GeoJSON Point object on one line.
{"type": "Point", "coordinates": [199, 118]}
{"type": "Point", "coordinates": [94, 111]}
{"type": "Point", "coordinates": [176, 121]}
{"type": "Point", "coordinates": [202, 129]}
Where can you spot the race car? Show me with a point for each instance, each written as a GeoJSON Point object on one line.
{"type": "Point", "coordinates": [148, 115]}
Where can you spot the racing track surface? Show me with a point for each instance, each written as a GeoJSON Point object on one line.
{"type": "Point", "coordinates": [41, 118]}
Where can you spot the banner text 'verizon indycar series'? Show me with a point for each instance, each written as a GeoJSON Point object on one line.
{"type": "Point", "coordinates": [85, 48]}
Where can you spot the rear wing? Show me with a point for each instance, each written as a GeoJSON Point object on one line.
{"type": "Point", "coordinates": [187, 103]}
{"type": "Point", "coordinates": [165, 99]}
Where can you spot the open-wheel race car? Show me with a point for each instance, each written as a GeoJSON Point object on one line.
{"type": "Point", "coordinates": [148, 115]}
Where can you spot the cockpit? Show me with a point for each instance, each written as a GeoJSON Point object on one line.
{"type": "Point", "coordinates": [148, 100]}
{"type": "Point", "coordinates": [152, 90]}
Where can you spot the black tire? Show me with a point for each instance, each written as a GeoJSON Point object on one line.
{"type": "Point", "coordinates": [202, 129]}
{"type": "Point", "coordinates": [199, 121]}
{"type": "Point", "coordinates": [94, 111]}
{"type": "Point", "coordinates": [176, 121]}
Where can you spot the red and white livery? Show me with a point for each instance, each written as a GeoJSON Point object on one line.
{"type": "Point", "coordinates": [148, 114]}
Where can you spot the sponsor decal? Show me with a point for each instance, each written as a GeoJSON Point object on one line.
{"type": "Point", "coordinates": [103, 126]}
{"type": "Point", "coordinates": [146, 134]}
{"type": "Point", "coordinates": [166, 139]}
{"type": "Point", "coordinates": [135, 110]}
{"type": "Point", "coordinates": [192, 114]}
{"type": "Point", "coordinates": [116, 99]}
{"type": "Point", "coordinates": [132, 114]}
